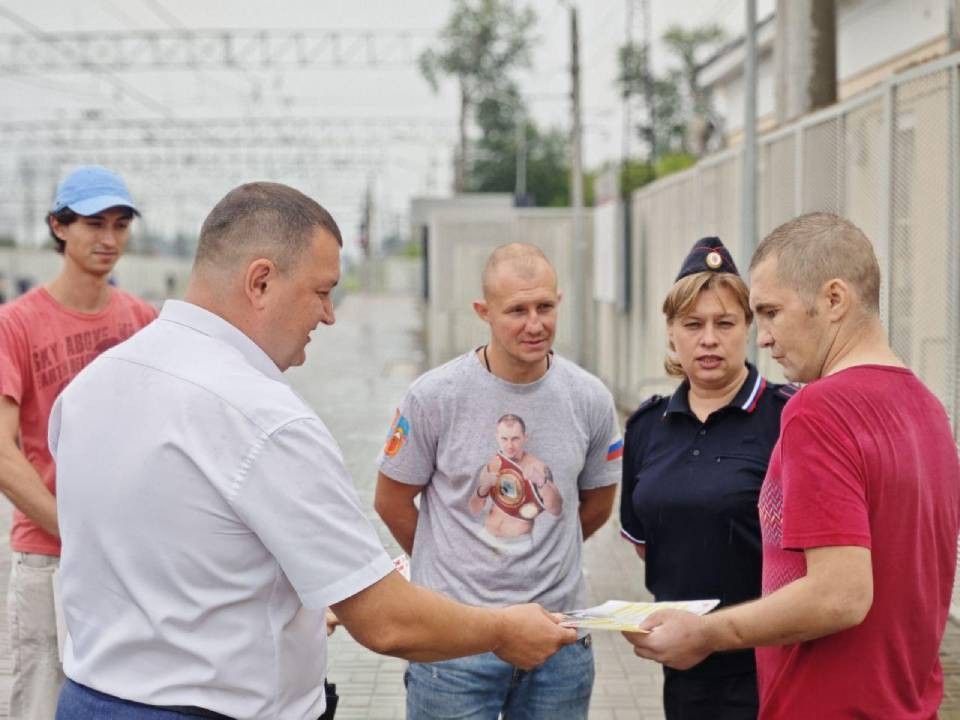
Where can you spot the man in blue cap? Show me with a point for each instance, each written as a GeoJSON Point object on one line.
{"type": "Point", "coordinates": [46, 337]}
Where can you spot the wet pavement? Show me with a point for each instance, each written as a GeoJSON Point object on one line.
{"type": "Point", "coordinates": [355, 374]}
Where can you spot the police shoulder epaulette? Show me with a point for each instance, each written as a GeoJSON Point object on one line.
{"type": "Point", "coordinates": [644, 407]}
{"type": "Point", "coordinates": [787, 391]}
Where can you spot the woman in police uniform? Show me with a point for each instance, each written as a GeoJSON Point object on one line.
{"type": "Point", "coordinates": [693, 464]}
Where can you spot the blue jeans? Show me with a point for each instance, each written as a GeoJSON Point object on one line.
{"type": "Point", "coordinates": [78, 702]}
{"type": "Point", "coordinates": [481, 687]}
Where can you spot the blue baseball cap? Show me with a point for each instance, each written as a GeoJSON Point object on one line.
{"type": "Point", "coordinates": [91, 189]}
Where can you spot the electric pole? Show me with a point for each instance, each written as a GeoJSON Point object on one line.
{"type": "Point", "coordinates": [623, 191]}
{"type": "Point", "coordinates": [627, 109]}
{"type": "Point", "coordinates": [28, 181]}
{"type": "Point", "coordinates": [576, 194]}
{"type": "Point", "coordinates": [520, 185]}
{"type": "Point", "coordinates": [748, 205]}
{"type": "Point", "coordinates": [953, 25]}
{"type": "Point", "coordinates": [648, 80]}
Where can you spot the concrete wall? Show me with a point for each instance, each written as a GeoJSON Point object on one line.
{"type": "Point", "coordinates": [392, 275]}
{"type": "Point", "coordinates": [152, 278]}
{"type": "Point", "coordinates": [461, 239]}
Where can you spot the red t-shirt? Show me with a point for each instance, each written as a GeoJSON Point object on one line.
{"type": "Point", "coordinates": [866, 457]}
{"type": "Point", "coordinates": [43, 345]}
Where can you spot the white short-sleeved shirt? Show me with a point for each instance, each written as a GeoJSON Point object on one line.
{"type": "Point", "coordinates": [207, 520]}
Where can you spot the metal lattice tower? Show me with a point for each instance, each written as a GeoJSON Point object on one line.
{"type": "Point", "coordinates": [263, 132]}
{"type": "Point", "coordinates": [122, 51]}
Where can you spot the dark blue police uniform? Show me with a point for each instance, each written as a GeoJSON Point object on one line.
{"type": "Point", "coordinates": [690, 492]}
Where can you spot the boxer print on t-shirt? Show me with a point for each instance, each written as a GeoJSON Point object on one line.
{"type": "Point", "coordinates": [502, 467]}
{"type": "Point", "coordinates": [513, 488]}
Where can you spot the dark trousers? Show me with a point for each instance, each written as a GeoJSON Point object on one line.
{"type": "Point", "coordinates": [689, 697]}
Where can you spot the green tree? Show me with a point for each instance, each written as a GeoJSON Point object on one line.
{"type": "Point", "coordinates": [547, 163]}
{"type": "Point", "coordinates": [691, 47]}
{"type": "Point", "coordinates": [677, 96]}
{"type": "Point", "coordinates": [481, 44]}
{"type": "Point", "coordinates": [506, 131]}
{"type": "Point", "coordinates": [635, 174]}
{"type": "Point", "coordinates": [669, 163]}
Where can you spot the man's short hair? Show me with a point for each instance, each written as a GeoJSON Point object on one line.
{"type": "Point", "coordinates": [817, 247]}
{"type": "Point", "coordinates": [66, 216]}
{"type": "Point", "coordinates": [262, 219]}
{"type": "Point", "coordinates": [510, 419]}
{"type": "Point", "coordinates": [523, 259]}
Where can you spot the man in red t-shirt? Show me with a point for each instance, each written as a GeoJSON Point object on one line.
{"type": "Point", "coordinates": [860, 508]}
{"type": "Point", "coordinates": [46, 337]}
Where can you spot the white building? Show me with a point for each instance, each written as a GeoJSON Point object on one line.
{"type": "Point", "coordinates": [875, 39]}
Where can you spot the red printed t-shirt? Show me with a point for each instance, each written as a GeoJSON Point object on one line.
{"type": "Point", "coordinates": [865, 457]}
{"type": "Point", "coordinates": [43, 345]}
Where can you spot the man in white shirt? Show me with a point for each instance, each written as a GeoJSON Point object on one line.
{"type": "Point", "coordinates": [206, 514]}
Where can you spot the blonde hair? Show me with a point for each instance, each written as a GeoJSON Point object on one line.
{"type": "Point", "coordinates": [817, 247]}
{"type": "Point", "coordinates": [684, 294]}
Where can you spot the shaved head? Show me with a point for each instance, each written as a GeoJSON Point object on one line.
{"type": "Point", "coordinates": [522, 259]}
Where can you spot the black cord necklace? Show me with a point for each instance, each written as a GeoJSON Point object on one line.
{"type": "Point", "coordinates": [486, 361]}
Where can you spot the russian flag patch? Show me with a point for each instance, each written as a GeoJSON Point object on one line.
{"type": "Point", "coordinates": [615, 450]}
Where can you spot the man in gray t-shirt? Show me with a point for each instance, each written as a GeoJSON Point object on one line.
{"type": "Point", "coordinates": [515, 454]}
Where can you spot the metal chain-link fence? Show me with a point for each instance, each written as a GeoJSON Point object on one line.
{"type": "Point", "coordinates": [888, 160]}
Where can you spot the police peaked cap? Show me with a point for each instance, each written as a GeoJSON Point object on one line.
{"type": "Point", "coordinates": [707, 255]}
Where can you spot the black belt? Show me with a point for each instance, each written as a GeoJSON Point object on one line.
{"type": "Point", "coordinates": [189, 710]}
{"type": "Point", "coordinates": [192, 711]}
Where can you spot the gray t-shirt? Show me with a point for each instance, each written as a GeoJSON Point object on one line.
{"type": "Point", "coordinates": [503, 465]}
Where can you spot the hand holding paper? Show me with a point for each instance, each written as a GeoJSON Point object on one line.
{"type": "Point", "coordinates": [671, 633]}
{"type": "Point", "coordinates": [530, 635]}
{"type": "Point", "coordinates": [673, 637]}
{"type": "Point", "coordinates": [630, 616]}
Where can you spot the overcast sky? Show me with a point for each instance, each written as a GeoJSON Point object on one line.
{"type": "Point", "coordinates": [403, 168]}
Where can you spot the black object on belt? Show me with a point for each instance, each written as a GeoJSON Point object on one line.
{"type": "Point", "coordinates": [330, 689]}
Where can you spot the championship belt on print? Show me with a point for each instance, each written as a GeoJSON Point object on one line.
{"type": "Point", "coordinates": [513, 493]}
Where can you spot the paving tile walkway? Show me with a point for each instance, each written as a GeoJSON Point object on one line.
{"type": "Point", "coordinates": [356, 373]}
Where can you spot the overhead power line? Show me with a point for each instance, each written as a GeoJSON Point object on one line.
{"type": "Point", "coordinates": [299, 160]}
{"type": "Point", "coordinates": [63, 55]}
{"type": "Point", "coordinates": [164, 14]}
{"type": "Point", "coordinates": [125, 51]}
{"type": "Point", "coordinates": [158, 9]}
{"type": "Point", "coordinates": [251, 132]}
